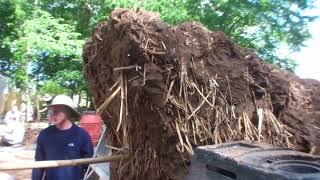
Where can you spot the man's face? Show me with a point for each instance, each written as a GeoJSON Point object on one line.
{"type": "Point", "coordinates": [59, 114]}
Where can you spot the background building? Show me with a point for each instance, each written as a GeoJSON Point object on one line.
{"type": "Point", "coordinates": [4, 86]}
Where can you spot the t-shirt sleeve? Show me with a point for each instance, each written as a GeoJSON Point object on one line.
{"type": "Point", "coordinates": [37, 173]}
{"type": "Point", "coordinates": [86, 150]}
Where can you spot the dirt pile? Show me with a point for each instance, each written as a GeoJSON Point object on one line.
{"type": "Point", "coordinates": [31, 136]}
{"type": "Point", "coordinates": [163, 90]}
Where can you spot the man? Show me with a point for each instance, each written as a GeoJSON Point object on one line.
{"type": "Point", "coordinates": [14, 130]}
{"type": "Point", "coordinates": [61, 141]}
{"type": "Point", "coordinates": [13, 114]}
{"type": "Point", "coordinates": [47, 99]}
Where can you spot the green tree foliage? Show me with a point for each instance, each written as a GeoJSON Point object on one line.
{"type": "Point", "coordinates": [83, 14]}
{"type": "Point", "coordinates": [45, 49]}
{"type": "Point", "coordinates": [7, 9]}
{"type": "Point", "coordinates": [263, 25]}
{"type": "Point", "coordinates": [12, 15]}
{"type": "Point", "coordinates": [53, 88]}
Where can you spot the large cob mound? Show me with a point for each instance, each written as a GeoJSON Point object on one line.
{"type": "Point", "coordinates": [163, 90]}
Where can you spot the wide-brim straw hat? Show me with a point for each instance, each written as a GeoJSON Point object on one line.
{"type": "Point", "coordinates": [66, 101]}
{"type": "Point", "coordinates": [47, 97]}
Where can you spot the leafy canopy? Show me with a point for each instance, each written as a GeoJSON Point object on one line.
{"type": "Point", "coordinates": [47, 49]}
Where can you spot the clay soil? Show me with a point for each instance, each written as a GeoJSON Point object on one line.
{"type": "Point", "coordinates": [174, 88]}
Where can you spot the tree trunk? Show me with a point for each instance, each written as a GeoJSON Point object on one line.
{"type": "Point", "coordinates": [79, 100]}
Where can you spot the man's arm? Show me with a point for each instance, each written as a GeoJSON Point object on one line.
{"type": "Point", "coordinates": [37, 174]}
{"type": "Point", "coordinates": [7, 117]}
{"type": "Point", "coordinates": [43, 110]}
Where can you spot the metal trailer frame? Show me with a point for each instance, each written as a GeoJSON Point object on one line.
{"type": "Point", "coordinates": [101, 169]}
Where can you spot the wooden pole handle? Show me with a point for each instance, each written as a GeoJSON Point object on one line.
{"type": "Point", "coordinates": [58, 163]}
